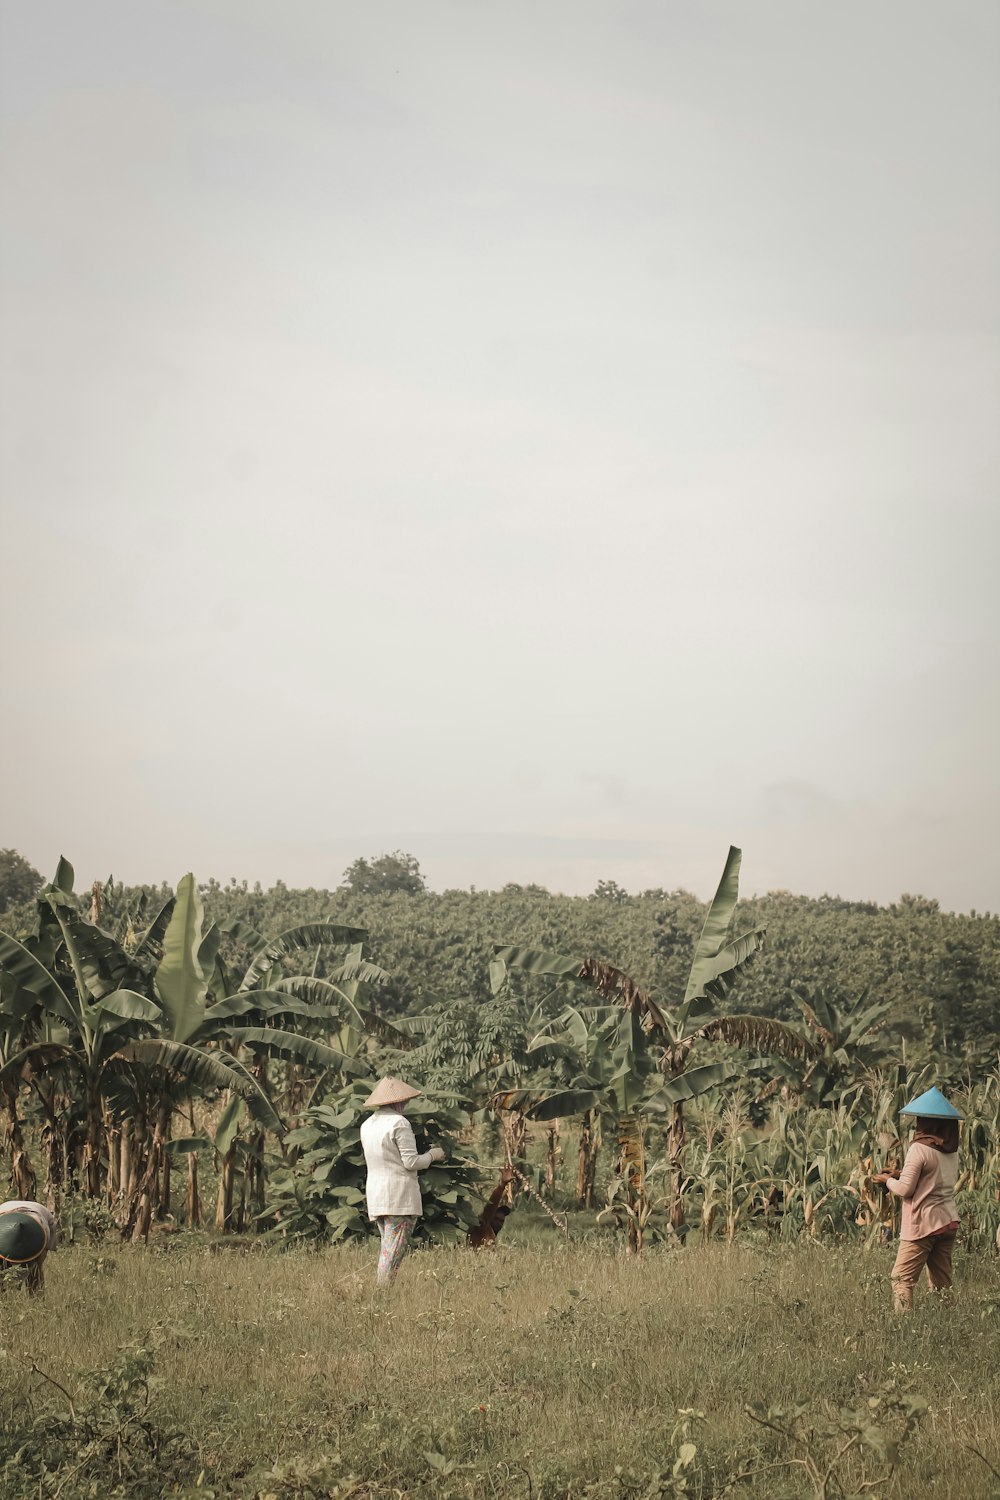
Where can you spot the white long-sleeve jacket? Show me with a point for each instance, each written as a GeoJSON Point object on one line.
{"type": "Point", "coordinates": [393, 1163]}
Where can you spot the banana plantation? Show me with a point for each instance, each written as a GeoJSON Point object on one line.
{"type": "Point", "coordinates": [160, 1067]}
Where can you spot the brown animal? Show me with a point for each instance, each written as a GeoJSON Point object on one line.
{"type": "Point", "coordinates": [494, 1214]}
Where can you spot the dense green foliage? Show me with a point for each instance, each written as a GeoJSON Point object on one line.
{"type": "Point", "coordinates": [939, 970]}
{"type": "Point", "coordinates": [709, 1073]}
{"type": "Point", "coordinates": [18, 879]}
{"type": "Point", "coordinates": [319, 1191]}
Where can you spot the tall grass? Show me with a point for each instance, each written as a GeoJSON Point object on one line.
{"type": "Point", "coordinates": [541, 1372]}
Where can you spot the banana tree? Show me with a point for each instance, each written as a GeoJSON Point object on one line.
{"type": "Point", "coordinates": [81, 979]}
{"type": "Point", "coordinates": [464, 1048]}
{"type": "Point", "coordinates": [679, 1029]}
{"type": "Point", "coordinates": [595, 1063]}
{"type": "Point", "coordinates": [98, 1023]}
{"type": "Point", "coordinates": [40, 1034]}
{"type": "Point", "coordinates": [844, 1036]}
{"type": "Point", "coordinates": [19, 1012]}
{"type": "Point", "coordinates": [196, 1017]}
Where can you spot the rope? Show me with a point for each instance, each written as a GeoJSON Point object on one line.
{"type": "Point", "coordinates": [561, 1223]}
{"type": "Point", "coordinates": [559, 1220]}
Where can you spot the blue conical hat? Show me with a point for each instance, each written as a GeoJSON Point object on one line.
{"type": "Point", "coordinates": [933, 1106]}
{"type": "Point", "coordinates": [22, 1238]}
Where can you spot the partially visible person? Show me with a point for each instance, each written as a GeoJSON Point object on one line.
{"type": "Point", "coordinates": [926, 1186]}
{"type": "Point", "coordinates": [28, 1231]}
{"type": "Point", "coordinates": [392, 1159]}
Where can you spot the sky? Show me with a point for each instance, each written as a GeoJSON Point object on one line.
{"type": "Point", "coordinates": [558, 440]}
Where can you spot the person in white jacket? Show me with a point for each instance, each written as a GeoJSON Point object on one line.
{"type": "Point", "coordinates": [393, 1161]}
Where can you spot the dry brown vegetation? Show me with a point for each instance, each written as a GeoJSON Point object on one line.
{"type": "Point", "coordinates": [537, 1372]}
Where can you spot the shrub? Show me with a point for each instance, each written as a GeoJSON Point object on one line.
{"type": "Point", "coordinates": [321, 1193]}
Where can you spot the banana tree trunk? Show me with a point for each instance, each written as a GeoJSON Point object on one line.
{"type": "Point", "coordinates": [126, 1168]}
{"type": "Point", "coordinates": [163, 1206]}
{"type": "Point", "coordinates": [551, 1158]}
{"type": "Point", "coordinates": [632, 1166]}
{"type": "Point", "coordinates": [112, 1134]}
{"type": "Point", "coordinates": [193, 1201]}
{"type": "Point", "coordinates": [227, 1183]}
{"type": "Point", "coordinates": [240, 1203]}
{"type": "Point", "coordinates": [53, 1144]}
{"type": "Point", "coordinates": [256, 1179]}
{"type": "Point", "coordinates": [93, 1143]}
{"type": "Point", "coordinates": [515, 1136]}
{"type": "Point", "coordinates": [149, 1187]}
{"type": "Point", "coordinates": [142, 1217]}
{"type": "Point", "coordinates": [586, 1161]}
{"type": "Point", "coordinates": [23, 1180]}
{"type": "Point", "coordinates": [295, 1091]}
{"type": "Point", "coordinates": [55, 1166]}
{"type": "Point", "coordinates": [254, 1174]}
{"type": "Point", "coordinates": [675, 1151]}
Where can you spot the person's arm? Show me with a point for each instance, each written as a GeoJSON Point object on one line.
{"type": "Point", "coordinates": [412, 1159]}
{"type": "Point", "coordinates": [905, 1185]}
{"type": "Point", "coordinates": [52, 1224]}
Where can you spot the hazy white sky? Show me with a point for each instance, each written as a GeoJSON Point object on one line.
{"type": "Point", "coordinates": [557, 439]}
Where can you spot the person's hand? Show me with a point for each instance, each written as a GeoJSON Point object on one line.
{"type": "Point", "coordinates": [882, 1177]}
{"type": "Point", "coordinates": [437, 1154]}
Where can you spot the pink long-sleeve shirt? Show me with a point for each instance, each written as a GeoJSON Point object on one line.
{"type": "Point", "coordinates": [927, 1187]}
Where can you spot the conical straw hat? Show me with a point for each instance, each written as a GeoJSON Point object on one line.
{"type": "Point", "coordinates": [390, 1091]}
{"type": "Point", "coordinates": [932, 1106]}
{"type": "Point", "coordinates": [23, 1237]}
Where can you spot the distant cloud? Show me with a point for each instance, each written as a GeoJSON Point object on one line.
{"type": "Point", "coordinates": [614, 789]}
{"type": "Point", "coordinates": [794, 802]}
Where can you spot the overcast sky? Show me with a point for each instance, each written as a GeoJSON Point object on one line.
{"type": "Point", "coordinates": [556, 439]}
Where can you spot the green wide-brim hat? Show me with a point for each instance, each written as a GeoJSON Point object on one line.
{"type": "Point", "coordinates": [932, 1106]}
{"type": "Point", "coordinates": [22, 1238]}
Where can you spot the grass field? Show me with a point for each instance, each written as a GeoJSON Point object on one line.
{"type": "Point", "coordinates": [540, 1371]}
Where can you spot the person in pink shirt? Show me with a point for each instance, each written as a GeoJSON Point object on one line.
{"type": "Point", "coordinates": [926, 1186]}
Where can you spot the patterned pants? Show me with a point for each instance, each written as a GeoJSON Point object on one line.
{"type": "Point", "coordinates": [395, 1231]}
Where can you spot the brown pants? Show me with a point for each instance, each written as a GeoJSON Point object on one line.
{"type": "Point", "coordinates": [934, 1252]}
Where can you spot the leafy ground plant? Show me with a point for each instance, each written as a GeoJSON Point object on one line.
{"type": "Point", "coordinates": [104, 1441]}
{"type": "Point", "coordinates": [827, 1445]}
{"type": "Point", "coordinates": [320, 1191]}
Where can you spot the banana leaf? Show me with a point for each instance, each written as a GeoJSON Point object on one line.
{"type": "Point", "coordinates": [307, 935]}
{"type": "Point", "coordinates": [298, 1048]}
{"type": "Point", "coordinates": [715, 962]}
{"type": "Point", "coordinates": [561, 1105]}
{"type": "Point", "coordinates": [204, 1070]}
{"type": "Point", "coordinates": [30, 974]}
{"type": "Point", "coordinates": [690, 1085]}
{"type": "Point", "coordinates": [180, 981]}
